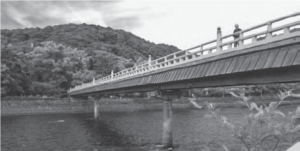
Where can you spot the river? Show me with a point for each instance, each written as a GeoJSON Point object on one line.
{"type": "Point", "coordinates": [114, 131]}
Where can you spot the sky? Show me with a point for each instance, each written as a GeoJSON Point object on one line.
{"type": "Point", "coordinates": [183, 24]}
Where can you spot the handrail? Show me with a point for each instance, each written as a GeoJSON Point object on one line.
{"type": "Point", "coordinates": [185, 55]}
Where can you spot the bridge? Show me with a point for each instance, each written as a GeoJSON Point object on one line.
{"type": "Point", "coordinates": [266, 53]}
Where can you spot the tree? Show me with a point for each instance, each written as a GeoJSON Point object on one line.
{"type": "Point", "coordinates": [4, 79]}
{"type": "Point", "coordinates": [55, 68]}
{"type": "Point", "coordinates": [103, 62]}
{"type": "Point", "coordinates": [14, 80]}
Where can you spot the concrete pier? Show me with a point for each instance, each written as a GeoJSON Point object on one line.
{"type": "Point", "coordinates": [167, 124]}
{"type": "Point", "coordinates": [96, 112]}
{"type": "Point", "coordinates": [167, 96]}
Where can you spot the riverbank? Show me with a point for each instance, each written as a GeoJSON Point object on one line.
{"type": "Point", "coordinates": [24, 106]}
{"type": "Point", "coordinates": [17, 106]}
{"type": "Point", "coordinates": [57, 106]}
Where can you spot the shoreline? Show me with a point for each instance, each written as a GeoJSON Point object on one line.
{"type": "Point", "coordinates": [65, 106]}
{"type": "Point", "coordinates": [61, 106]}
{"type": "Point", "coordinates": [101, 108]}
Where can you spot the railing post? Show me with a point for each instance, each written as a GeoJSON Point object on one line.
{"type": "Point", "coordinates": [254, 39]}
{"type": "Point", "coordinates": [229, 46]}
{"type": "Point", "coordinates": [287, 30]}
{"type": "Point", "coordinates": [269, 34]}
{"type": "Point", "coordinates": [112, 75]}
{"type": "Point", "coordinates": [186, 53]}
{"type": "Point", "coordinates": [219, 39]}
{"type": "Point", "coordinates": [241, 41]}
{"type": "Point", "coordinates": [149, 62]}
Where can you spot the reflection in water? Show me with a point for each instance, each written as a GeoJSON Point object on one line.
{"type": "Point", "coordinates": [132, 131]}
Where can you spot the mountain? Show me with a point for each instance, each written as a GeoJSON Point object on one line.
{"type": "Point", "coordinates": [90, 38]}
{"type": "Point", "coordinates": [48, 61]}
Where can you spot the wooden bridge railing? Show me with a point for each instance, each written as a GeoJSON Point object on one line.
{"type": "Point", "coordinates": [200, 51]}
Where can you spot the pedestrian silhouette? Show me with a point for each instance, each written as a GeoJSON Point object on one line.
{"type": "Point", "coordinates": [236, 34]}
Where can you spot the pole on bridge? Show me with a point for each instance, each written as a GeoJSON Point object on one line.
{"type": "Point", "coordinates": [112, 75]}
{"type": "Point", "coordinates": [149, 61]}
{"type": "Point", "coordinates": [219, 39]}
{"type": "Point", "coordinates": [269, 28]}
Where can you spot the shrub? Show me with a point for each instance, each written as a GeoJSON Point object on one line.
{"type": "Point", "coordinates": [264, 129]}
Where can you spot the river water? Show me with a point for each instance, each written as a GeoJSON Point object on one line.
{"type": "Point", "coordinates": [126, 131]}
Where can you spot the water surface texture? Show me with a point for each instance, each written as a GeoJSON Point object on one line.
{"type": "Point", "coordinates": [132, 131]}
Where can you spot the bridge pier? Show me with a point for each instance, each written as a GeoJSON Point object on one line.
{"type": "Point", "coordinates": [71, 99]}
{"type": "Point", "coordinates": [95, 99]}
{"type": "Point", "coordinates": [96, 111]}
{"type": "Point", "coordinates": [167, 140]}
{"type": "Point", "coordinates": [167, 96]}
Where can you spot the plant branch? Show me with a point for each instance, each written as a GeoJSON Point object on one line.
{"type": "Point", "coordinates": [266, 137]}
{"type": "Point", "coordinates": [296, 139]}
{"type": "Point", "coordinates": [281, 100]}
{"type": "Point", "coordinates": [276, 144]}
{"type": "Point", "coordinates": [241, 138]}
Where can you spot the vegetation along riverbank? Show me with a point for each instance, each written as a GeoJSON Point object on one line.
{"type": "Point", "coordinates": [40, 105]}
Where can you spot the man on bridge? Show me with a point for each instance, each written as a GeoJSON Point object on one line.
{"type": "Point", "coordinates": [236, 35]}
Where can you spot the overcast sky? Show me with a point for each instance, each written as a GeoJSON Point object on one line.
{"type": "Point", "coordinates": [182, 23]}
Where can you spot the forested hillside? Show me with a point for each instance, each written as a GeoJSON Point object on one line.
{"type": "Point", "coordinates": [50, 60]}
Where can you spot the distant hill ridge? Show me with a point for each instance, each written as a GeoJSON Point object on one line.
{"type": "Point", "coordinates": [90, 38]}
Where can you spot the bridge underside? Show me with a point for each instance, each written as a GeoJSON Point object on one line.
{"type": "Point", "coordinates": [271, 63]}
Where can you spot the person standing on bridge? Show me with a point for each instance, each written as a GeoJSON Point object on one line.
{"type": "Point", "coordinates": [236, 34]}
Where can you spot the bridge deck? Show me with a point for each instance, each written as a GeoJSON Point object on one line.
{"type": "Point", "coordinates": [274, 59]}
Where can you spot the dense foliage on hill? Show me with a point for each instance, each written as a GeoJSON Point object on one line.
{"type": "Point", "coordinates": [48, 61]}
{"type": "Point", "coordinates": [90, 38]}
